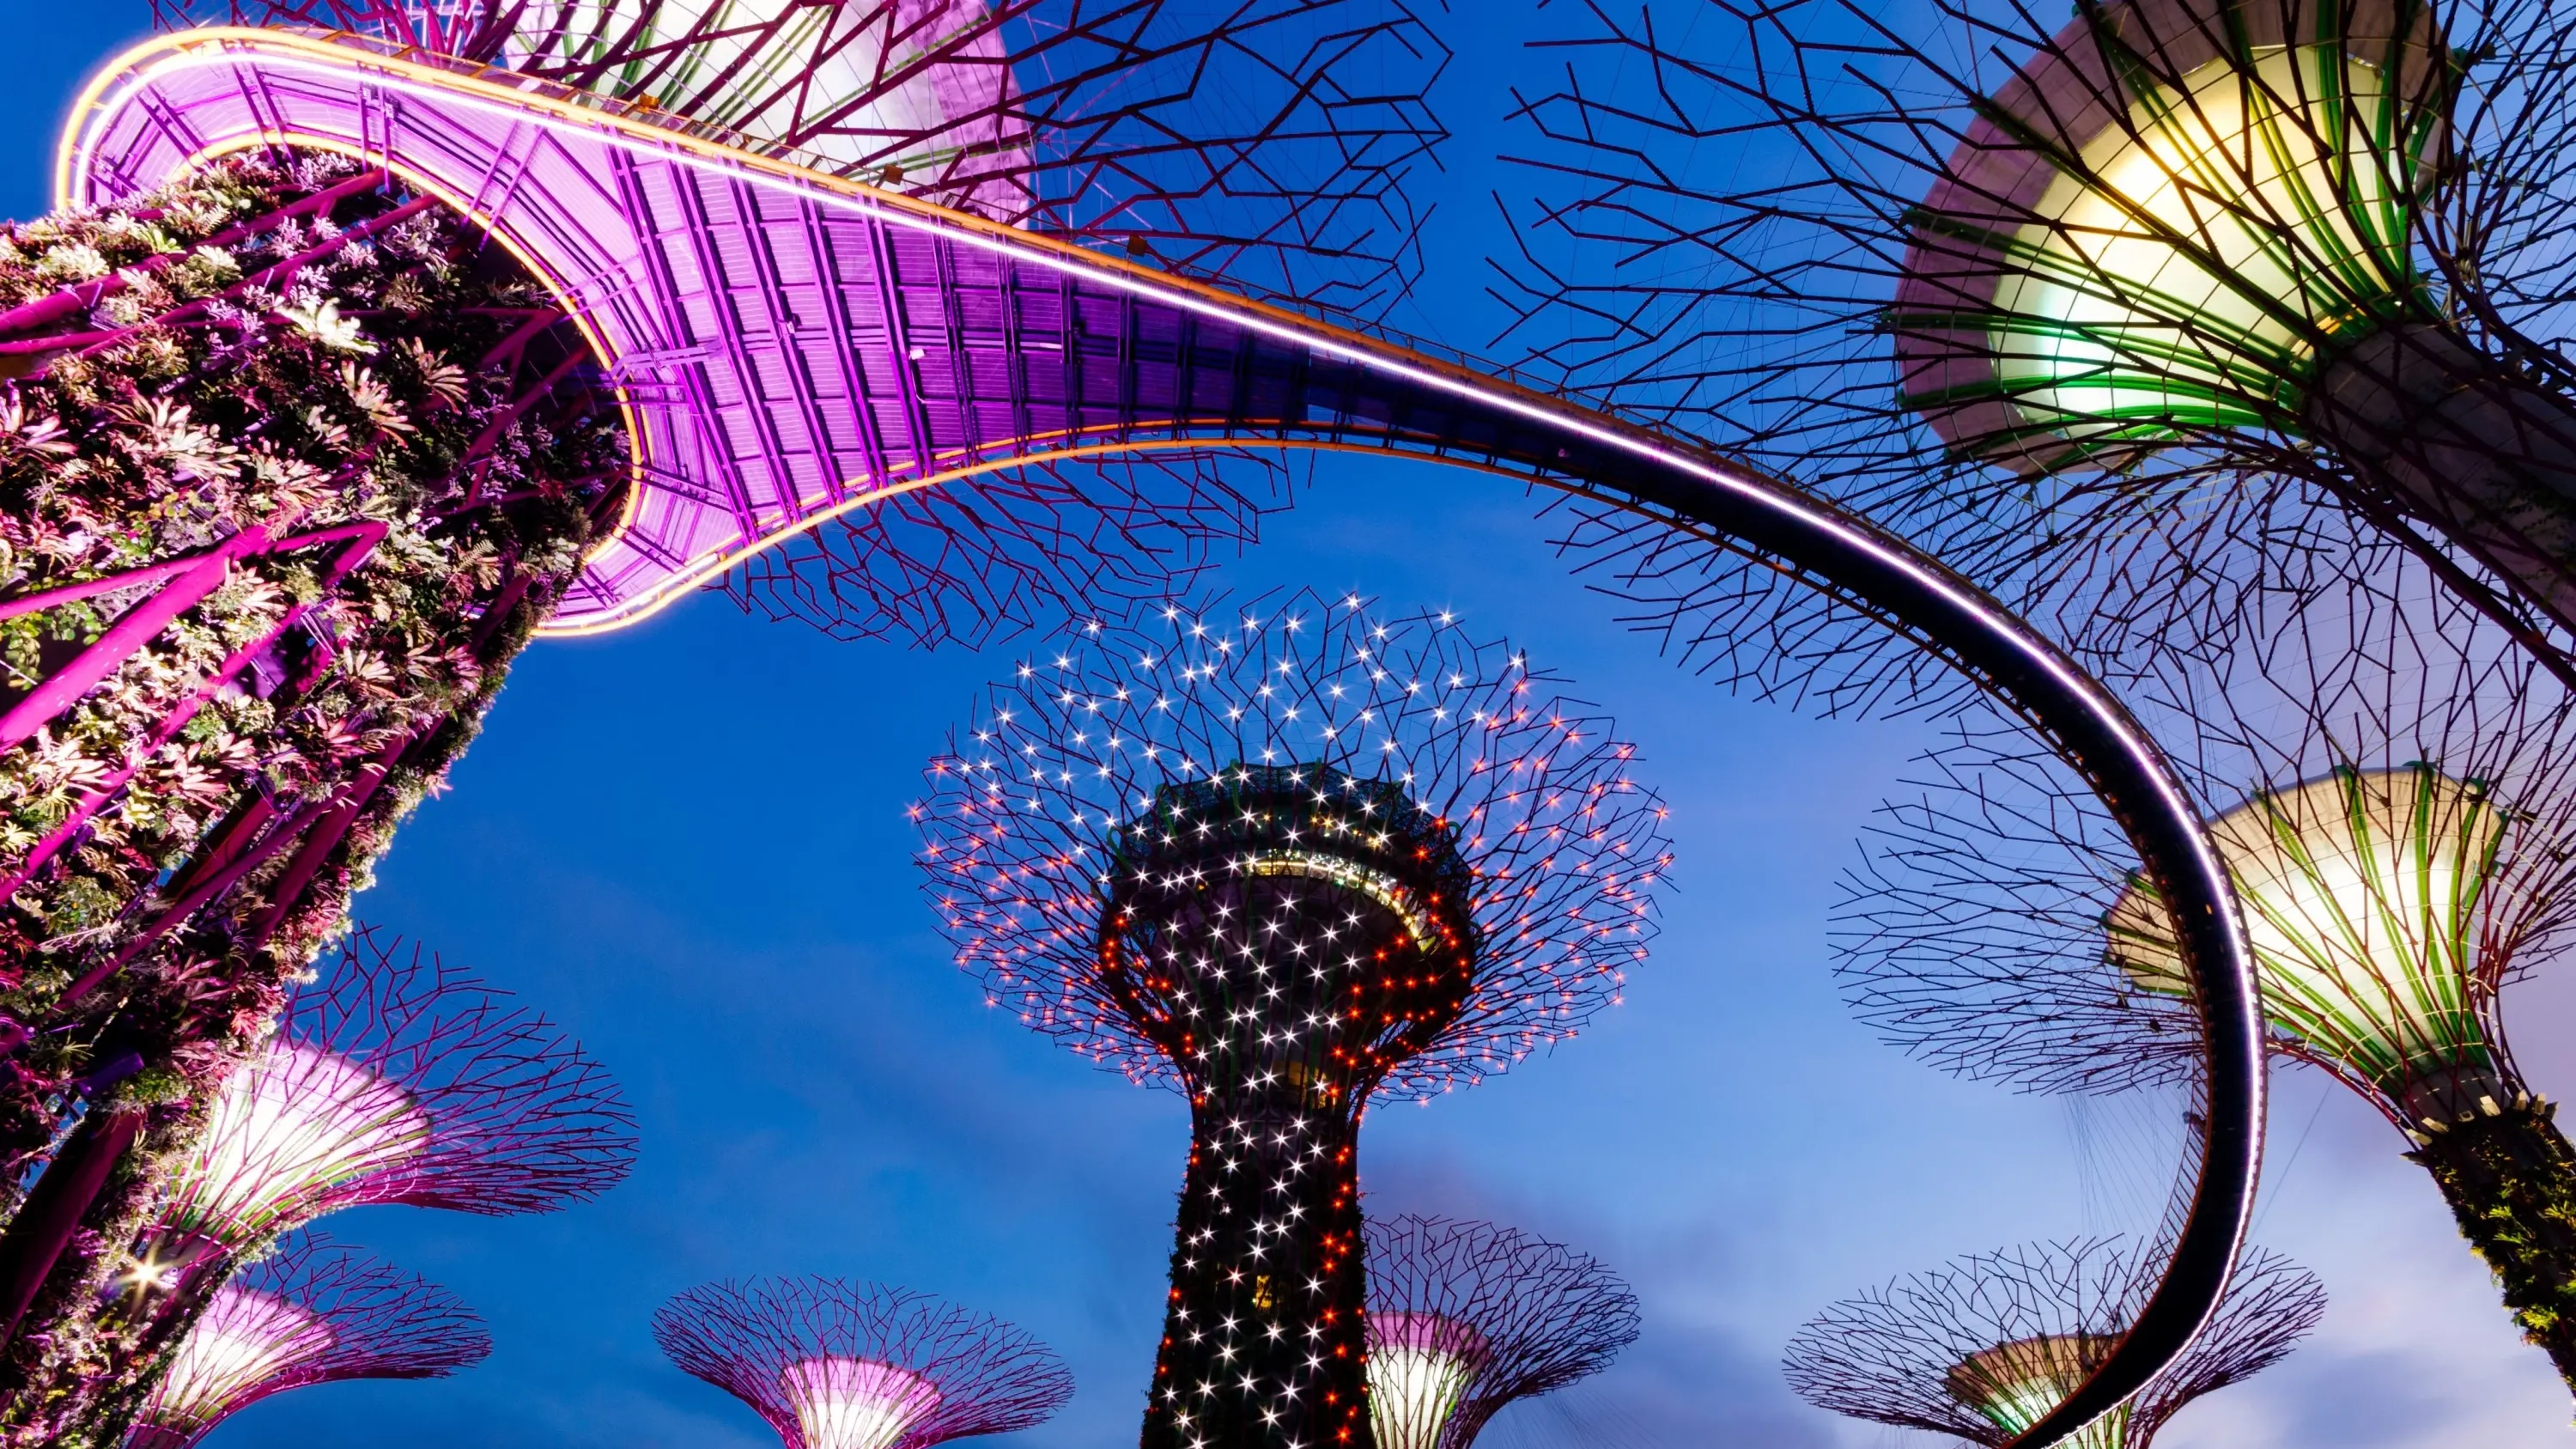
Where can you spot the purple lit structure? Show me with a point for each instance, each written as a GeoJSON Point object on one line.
{"type": "Point", "coordinates": [392, 1078]}
{"type": "Point", "coordinates": [395, 1078]}
{"type": "Point", "coordinates": [1288, 857]}
{"type": "Point", "coordinates": [1983, 1348]}
{"type": "Point", "coordinates": [311, 1313]}
{"type": "Point", "coordinates": [1465, 1318]}
{"type": "Point", "coordinates": [832, 1364]}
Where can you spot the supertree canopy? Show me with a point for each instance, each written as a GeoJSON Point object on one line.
{"type": "Point", "coordinates": [1287, 857]}
{"type": "Point", "coordinates": [390, 1078]}
{"type": "Point", "coordinates": [1981, 1348]}
{"type": "Point", "coordinates": [832, 1364]}
{"type": "Point", "coordinates": [1465, 1318]}
{"type": "Point", "coordinates": [310, 1313]}
{"type": "Point", "coordinates": [2090, 305]}
{"type": "Point", "coordinates": [396, 1078]}
{"type": "Point", "coordinates": [2398, 816]}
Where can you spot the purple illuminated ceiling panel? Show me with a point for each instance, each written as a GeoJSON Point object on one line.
{"type": "Point", "coordinates": [790, 345]}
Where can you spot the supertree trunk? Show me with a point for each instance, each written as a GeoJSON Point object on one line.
{"type": "Point", "coordinates": [291, 464]}
{"type": "Point", "coordinates": [1268, 1288]}
{"type": "Point", "coordinates": [2511, 1181]}
{"type": "Point", "coordinates": [2463, 445]}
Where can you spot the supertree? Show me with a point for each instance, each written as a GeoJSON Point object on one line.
{"type": "Point", "coordinates": [312, 1312]}
{"type": "Point", "coordinates": [782, 350]}
{"type": "Point", "coordinates": [1264, 143]}
{"type": "Point", "coordinates": [308, 423]}
{"type": "Point", "coordinates": [392, 1077]}
{"type": "Point", "coordinates": [1287, 857]}
{"type": "Point", "coordinates": [1981, 1348]}
{"type": "Point", "coordinates": [2397, 811]}
{"type": "Point", "coordinates": [2125, 315]}
{"type": "Point", "coordinates": [1465, 1318]}
{"type": "Point", "coordinates": [832, 1364]}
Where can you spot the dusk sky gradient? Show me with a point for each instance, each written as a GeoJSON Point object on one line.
{"type": "Point", "coordinates": [686, 842]}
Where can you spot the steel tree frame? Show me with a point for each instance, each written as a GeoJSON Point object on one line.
{"type": "Point", "coordinates": [377, 1322]}
{"type": "Point", "coordinates": [1903, 1354]}
{"type": "Point", "coordinates": [1179, 365]}
{"type": "Point", "coordinates": [748, 1337]}
{"type": "Point", "coordinates": [1542, 1315]}
{"type": "Point", "coordinates": [1438, 866]}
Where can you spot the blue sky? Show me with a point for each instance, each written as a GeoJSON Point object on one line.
{"type": "Point", "coordinates": [687, 843]}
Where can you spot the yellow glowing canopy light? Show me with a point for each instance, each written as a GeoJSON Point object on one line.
{"type": "Point", "coordinates": [1420, 1367]}
{"type": "Point", "coordinates": [2183, 266]}
{"type": "Point", "coordinates": [2361, 893]}
{"type": "Point", "coordinates": [2016, 1384]}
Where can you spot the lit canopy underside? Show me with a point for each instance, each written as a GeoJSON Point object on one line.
{"type": "Point", "coordinates": [2362, 894]}
{"type": "Point", "coordinates": [2172, 232]}
{"type": "Point", "coordinates": [2220, 237]}
{"type": "Point", "coordinates": [852, 1403]}
{"type": "Point", "coordinates": [2015, 1384]}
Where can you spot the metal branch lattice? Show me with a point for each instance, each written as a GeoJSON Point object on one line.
{"type": "Point", "coordinates": [2127, 318]}
{"type": "Point", "coordinates": [1980, 1348]}
{"type": "Point", "coordinates": [396, 1078]}
{"type": "Point", "coordinates": [1267, 141]}
{"type": "Point", "coordinates": [313, 1312]}
{"type": "Point", "coordinates": [833, 1364]}
{"type": "Point", "coordinates": [1984, 927]}
{"type": "Point", "coordinates": [1009, 553]}
{"type": "Point", "coordinates": [1466, 1317]}
{"type": "Point", "coordinates": [1028, 811]}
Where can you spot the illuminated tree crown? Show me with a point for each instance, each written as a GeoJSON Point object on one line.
{"type": "Point", "coordinates": [2363, 894]}
{"type": "Point", "coordinates": [395, 1078]}
{"type": "Point", "coordinates": [1308, 741]}
{"type": "Point", "coordinates": [2131, 316]}
{"type": "Point", "coordinates": [2165, 224]}
{"type": "Point", "coordinates": [1466, 1318]}
{"type": "Point", "coordinates": [311, 1313]}
{"type": "Point", "coordinates": [832, 1364]}
{"type": "Point", "coordinates": [1288, 856]}
{"type": "Point", "coordinates": [1983, 1347]}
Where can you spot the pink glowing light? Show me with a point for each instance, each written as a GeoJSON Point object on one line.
{"type": "Point", "coordinates": [855, 1403]}
{"type": "Point", "coordinates": [287, 1131]}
